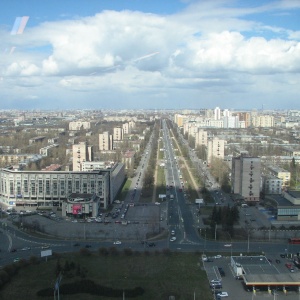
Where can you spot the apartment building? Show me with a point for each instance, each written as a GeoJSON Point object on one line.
{"type": "Point", "coordinates": [201, 138]}
{"type": "Point", "coordinates": [246, 177]}
{"type": "Point", "coordinates": [282, 174]}
{"type": "Point", "coordinates": [79, 125]}
{"type": "Point", "coordinates": [215, 148]}
{"type": "Point", "coordinates": [118, 134]}
{"type": "Point", "coordinates": [105, 141]}
{"type": "Point", "coordinates": [81, 153]}
{"type": "Point", "coordinates": [263, 121]}
{"type": "Point", "coordinates": [272, 185]}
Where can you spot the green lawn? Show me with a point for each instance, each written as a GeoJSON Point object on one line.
{"type": "Point", "coordinates": [159, 274]}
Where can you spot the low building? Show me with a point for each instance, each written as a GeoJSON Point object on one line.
{"type": "Point", "coordinates": [52, 188]}
{"type": "Point", "coordinates": [272, 185]}
{"type": "Point", "coordinates": [81, 206]}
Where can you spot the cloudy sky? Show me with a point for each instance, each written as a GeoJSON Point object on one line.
{"type": "Point", "coordinates": [95, 54]}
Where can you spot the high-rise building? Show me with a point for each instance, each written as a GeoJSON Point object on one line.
{"type": "Point", "coordinates": [246, 177]}
{"type": "Point", "coordinates": [215, 148]}
{"type": "Point", "coordinates": [81, 153]}
{"type": "Point", "coordinates": [217, 113]}
{"type": "Point", "coordinates": [105, 141]}
{"type": "Point", "coordinates": [118, 133]}
{"type": "Point", "coordinates": [201, 138]}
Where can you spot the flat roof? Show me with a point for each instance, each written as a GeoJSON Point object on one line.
{"type": "Point", "coordinates": [281, 201]}
{"type": "Point", "coordinates": [259, 271]}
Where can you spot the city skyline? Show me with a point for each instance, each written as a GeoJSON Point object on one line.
{"type": "Point", "coordinates": [153, 55]}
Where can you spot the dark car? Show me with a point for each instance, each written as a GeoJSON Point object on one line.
{"type": "Point", "coordinates": [222, 272]}
{"type": "Point", "coordinates": [13, 250]}
{"type": "Point", "coordinates": [76, 245]}
{"type": "Point", "coordinates": [88, 246]}
{"type": "Point", "coordinates": [282, 255]}
{"type": "Point", "coordinates": [151, 244]}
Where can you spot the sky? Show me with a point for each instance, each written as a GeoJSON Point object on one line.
{"type": "Point", "coordinates": [150, 54]}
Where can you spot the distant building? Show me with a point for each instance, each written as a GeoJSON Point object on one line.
{"type": "Point", "coordinates": [105, 141]}
{"type": "Point", "coordinates": [118, 133]}
{"type": "Point", "coordinates": [215, 148]}
{"type": "Point", "coordinates": [81, 153]}
{"type": "Point", "coordinates": [37, 139]}
{"type": "Point", "coordinates": [201, 138]}
{"type": "Point", "coordinates": [217, 113]}
{"type": "Point", "coordinates": [282, 174]}
{"type": "Point", "coordinates": [263, 121]}
{"type": "Point", "coordinates": [246, 177]}
{"type": "Point", "coordinates": [272, 185]}
{"type": "Point", "coordinates": [79, 125]}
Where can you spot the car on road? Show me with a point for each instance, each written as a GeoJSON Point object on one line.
{"type": "Point", "coordinates": [218, 256]}
{"type": "Point", "coordinates": [25, 248]}
{"type": "Point", "coordinates": [227, 245]}
{"type": "Point", "coordinates": [222, 295]}
{"type": "Point", "coordinates": [173, 239]}
{"type": "Point", "coordinates": [151, 244]}
{"type": "Point", "coordinates": [17, 259]}
{"type": "Point", "coordinates": [13, 250]}
{"type": "Point", "coordinates": [173, 232]}
{"type": "Point", "coordinates": [45, 247]}
{"type": "Point", "coordinates": [117, 243]}
{"type": "Point", "coordinates": [76, 245]}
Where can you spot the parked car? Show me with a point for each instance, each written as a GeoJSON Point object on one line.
{"type": "Point", "coordinates": [117, 243]}
{"type": "Point", "coordinates": [222, 272]}
{"type": "Point", "coordinates": [173, 239]}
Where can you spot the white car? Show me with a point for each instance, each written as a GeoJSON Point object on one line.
{"type": "Point", "coordinates": [216, 281]}
{"type": "Point", "coordinates": [117, 243]}
{"type": "Point", "coordinates": [25, 248]}
{"type": "Point", "coordinates": [173, 239]}
{"type": "Point", "coordinates": [173, 232]}
{"type": "Point", "coordinates": [222, 295]}
{"type": "Point", "coordinates": [218, 256]}
{"type": "Point", "coordinates": [227, 245]}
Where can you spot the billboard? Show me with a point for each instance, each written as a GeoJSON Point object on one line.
{"type": "Point", "coordinates": [77, 209]}
{"type": "Point", "coordinates": [46, 253]}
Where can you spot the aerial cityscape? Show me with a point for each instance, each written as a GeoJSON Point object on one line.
{"type": "Point", "coordinates": [150, 150]}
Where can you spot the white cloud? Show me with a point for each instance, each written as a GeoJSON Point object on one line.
{"type": "Point", "coordinates": [207, 45]}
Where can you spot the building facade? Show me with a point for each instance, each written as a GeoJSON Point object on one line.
{"type": "Point", "coordinates": [81, 153]}
{"type": "Point", "coordinates": [215, 148]}
{"type": "Point", "coordinates": [246, 177]}
{"type": "Point", "coordinates": [47, 189]}
{"type": "Point", "coordinates": [105, 141]}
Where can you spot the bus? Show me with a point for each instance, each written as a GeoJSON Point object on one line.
{"type": "Point", "coordinates": [294, 241]}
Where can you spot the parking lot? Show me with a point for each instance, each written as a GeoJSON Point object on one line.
{"type": "Point", "coordinates": [139, 222]}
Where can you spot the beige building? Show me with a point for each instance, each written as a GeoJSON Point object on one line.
{"type": "Point", "coordinates": [81, 153]}
{"type": "Point", "coordinates": [79, 125]}
{"type": "Point", "coordinates": [215, 148]}
{"type": "Point", "coordinates": [126, 128]}
{"type": "Point", "coordinates": [282, 174]}
{"type": "Point", "coordinates": [179, 120]}
{"type": "Point", "coordinates": [263, 121]}
{"type": "Point", "coordinates": [105, 141]}
{"type": "Point", "coordinates": [201, 138]}
{"type": "Point", "coordinates": [118, 133]}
